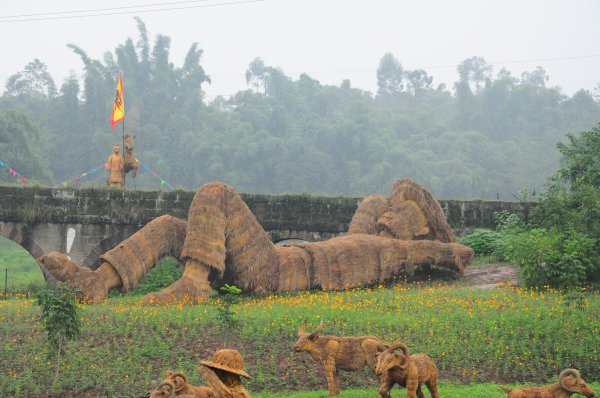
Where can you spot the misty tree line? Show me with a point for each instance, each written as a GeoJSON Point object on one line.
{"type": "Point", "coordinates": [490, 135]}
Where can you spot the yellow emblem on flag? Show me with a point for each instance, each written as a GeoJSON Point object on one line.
{"type": "Point", "coordinates": [118, 112]}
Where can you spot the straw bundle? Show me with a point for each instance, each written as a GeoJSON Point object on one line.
{"type": "Point", "coordinates": [405, 221]}
{"type": "Point", "coordinates": [360, 259]}
{"type": "Point", "coordinates": [368, 212]}
{"type": "Point", "coordinates": [408, 190]}
{"type": "Point", "coordinates": [222, 229]}
{"type": "Point", "coordinates": [135, 256]}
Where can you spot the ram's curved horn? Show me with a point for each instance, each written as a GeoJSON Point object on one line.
{"type": "Point", "coordinates": [170, 385]}
{"type": "Point", "coordinates": [317, 330]}
{"type": "Point", "coordinates": [404, 349]}
{"type": "Point", "coordinates": [183, 376]}
{"type": "Point", "coordinates": [567, 372]}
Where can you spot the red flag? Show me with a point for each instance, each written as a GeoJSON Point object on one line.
{"type": "Point", "coordinates": [118, 112]}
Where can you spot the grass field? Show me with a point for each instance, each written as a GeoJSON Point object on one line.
{"type": "Point", "coordinates": [477, 337]}
{"type": "Point", "coordinates": [21, 271]}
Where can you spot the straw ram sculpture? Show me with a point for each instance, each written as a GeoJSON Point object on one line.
{"type": "Point", "coordinates": [176, 385]}
{"type": "Point", "coordinates": [410, 371]}
{"type": "Point", "coordinates": [569, 383]}
{"type": "Point", "coordinates": [335, 353]}
{"type": "Point", "coordinates": [222, 242]}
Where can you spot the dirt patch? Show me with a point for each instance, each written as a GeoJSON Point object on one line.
{"type": "Point", "coordinates": [489, 275]}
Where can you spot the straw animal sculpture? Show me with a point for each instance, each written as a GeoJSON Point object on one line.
{"type": "Point", "coordinates": [335, 353]}
{"type": "Point", "coordinates": [166, 389]}
{"type": "Point", "coordinates": [181, 387]}
{"type": "Point", "coordinates": [569, 383]}
{"type": "Point", "coordinates": [410, 371]}
{"type": "Point", "coordinates": [224, 243]}
{"type": "Point", "coordinates": [130, 163]}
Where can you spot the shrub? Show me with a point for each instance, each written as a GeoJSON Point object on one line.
{"type": "Point", "coordinates": [483, 241]}
{"type": "Point", "coordinates": [60, 319]}
{"type": "Point", "coordinates": [488, 242]}
{"type": "Point", "coordinates": [548, 257]}
{"type": "Point", "coordinates": [164, 274]}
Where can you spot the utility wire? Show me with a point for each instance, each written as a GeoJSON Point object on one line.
{"type": "Point", "coordinates": [133, 12]}
{"type": "Point", "coordinates": [101, 9]}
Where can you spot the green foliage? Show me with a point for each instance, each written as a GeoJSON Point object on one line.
{"type": "Point", "coordinates": [24, 275]}
{"type": "Point", "coordinates": [487, 242]}
{"type": "Point", "coordinates": [483, 241]}
{"type": "Point", "coordinates": [518, 336]}
{"type": "Point", "coordinates": [226, 315]}
{"type": "Point", "coordinates": [568, 219]}
{"type": "Point", "coordinates": [549, 257]}
{"type": "Point", "coordinates": [284, 134]}
{"type": "Point", "coordinates": [166, 272]}
{"type": "Point", "coordinates": [446, 390]}
{"type": "Point", "coordinates": [19, 149]}
{"type": "Point", "coordinates": [60, 316]}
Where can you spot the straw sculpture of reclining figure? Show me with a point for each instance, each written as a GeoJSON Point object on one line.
{"type": "Point", "coordinates": [222, 242]}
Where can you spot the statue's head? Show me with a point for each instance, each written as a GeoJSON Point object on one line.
{"type": "Point", "coordinates": [116, 149]}
{"type": "Point", "coordinates": [129, 143]}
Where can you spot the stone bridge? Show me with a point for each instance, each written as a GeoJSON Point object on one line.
{"type": "Point", "coordinates": [86, 223]}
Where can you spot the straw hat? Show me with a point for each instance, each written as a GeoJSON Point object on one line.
{"type": "Point", "coordinates": [229, 361]}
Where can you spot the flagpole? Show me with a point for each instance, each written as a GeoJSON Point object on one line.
{"type": "Point", "coordinates": [123, 152]}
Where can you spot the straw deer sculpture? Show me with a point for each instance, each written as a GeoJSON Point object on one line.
{"type": "Point", "coordinates": [335, 353]}
{"type": "Point", "coordinates": [569, 383]}
{"type": "Point", "coordinates": [410, 371]}
{"type": "Point", "coordinates": [222, 242]}
{"type": "Point", "coordinates": [176, 385]}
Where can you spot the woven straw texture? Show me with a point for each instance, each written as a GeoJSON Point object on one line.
{"type": "Point", "coordinates": [135, 256]}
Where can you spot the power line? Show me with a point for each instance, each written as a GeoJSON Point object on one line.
{"type": "Point", "coordinates": [140, 11]}
{"type": "Point", "coordinates": [101, 9]}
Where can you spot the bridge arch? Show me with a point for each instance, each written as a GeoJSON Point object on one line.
{"type": "Point", "coordinates": [21, 235]}
{"type": "Point", "coordinates": [92, 260]}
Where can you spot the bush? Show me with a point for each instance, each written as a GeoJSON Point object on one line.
{"type": "Point", "coordinates": [488, 242]}
{"type": "Point", "coordinates": [483, 241]}
{"type": "Point", "coordinates": [165, 273]}
{"type": "Point", "coordinates": [548, 257]}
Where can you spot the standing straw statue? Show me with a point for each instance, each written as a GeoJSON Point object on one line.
{"type": "Point", "coordinates": [114, 167]}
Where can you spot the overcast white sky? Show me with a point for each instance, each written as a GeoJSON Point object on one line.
{"type": "Point", "coordinates": [331, 40]}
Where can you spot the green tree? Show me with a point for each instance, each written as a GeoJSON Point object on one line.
{"type": "Point", "coordinates": [60, 319]}
{"type": "Point", "coordinates": [257, 74]}
{"type": "Point", "coordinates": [18, 136]}
{"type": "Point", "coordinates": [537, 77]}
{"type": "Point", "coordinates": [572, 198]}
{"type": "Point", "coordinates": [34, 80]}
{"type": "Point", "coordinates": [389, 75]}
{"type": "Point", "coordinates": [474, 69]}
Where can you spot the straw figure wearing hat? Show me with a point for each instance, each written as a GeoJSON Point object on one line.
{"type": "Point", "coordinates": [222, 242]}
{"type": "Point", "coordinates": [223, 374]}
{"type": "Point", "coordinates": [114, 167]}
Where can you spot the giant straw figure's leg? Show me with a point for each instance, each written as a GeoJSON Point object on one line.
{"type": "Point", "coordinates": [123, 266]}
{"type": "Point", "coordinates": [224, 238]}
